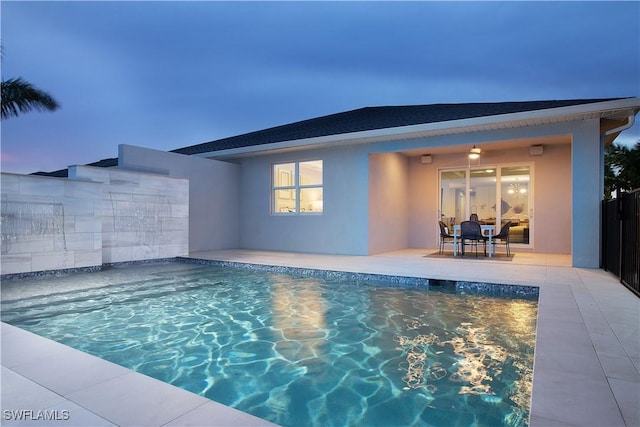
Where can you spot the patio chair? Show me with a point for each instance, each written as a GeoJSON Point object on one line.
{"type": "Point", "coordinates": [445, 236]}
{"type": "Point", "coordinates": [503, 236]}
{"type": "Point", "coordinates": [471, 230]}
{"type": "Point", "coordinates": [474, 217]}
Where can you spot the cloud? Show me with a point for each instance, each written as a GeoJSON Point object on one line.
{"type": "Point", "coordinates": [170, 74]}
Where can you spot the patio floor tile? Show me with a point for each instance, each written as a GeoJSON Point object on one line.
{"type": "Point", "coordinates": [19, 393]}
{"type": "Point", "coordinates": [65, 414]}
{"type": "Point", "coordinates": [134, 399]}
{"type": "Point", "coordinates": [628, 395]}
{"type": "Point", "coordinates": [211, 413]}
{"type": "Point", "coordinates": [577, 405]}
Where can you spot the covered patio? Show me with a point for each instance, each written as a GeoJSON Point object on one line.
{"type": "Point", "coordinates": [526, 181]}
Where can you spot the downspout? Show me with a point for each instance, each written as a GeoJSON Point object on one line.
{"type": "Point", "coordinates": [630, 121]}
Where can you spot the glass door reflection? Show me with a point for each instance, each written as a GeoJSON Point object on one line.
{"type": "Point", "coordinates": [453, 196]}
{"type": "Point", "coordinates": [482, 195]}
{"type": "Point", "coordinates": [515, 203]}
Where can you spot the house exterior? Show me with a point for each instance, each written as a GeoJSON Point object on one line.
{"type": "Point", "coordinates": [379, 179]}
{"type": "Point", "coordinates": [388, 174]}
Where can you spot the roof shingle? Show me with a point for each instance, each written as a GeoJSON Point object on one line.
{"type": "Point", "coordinates": [371, 118]}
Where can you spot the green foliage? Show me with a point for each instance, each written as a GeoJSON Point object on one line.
{"type": "Point", "coordinates": [19, 96]}
{"type": "Point", "coordinates": [621, 168]}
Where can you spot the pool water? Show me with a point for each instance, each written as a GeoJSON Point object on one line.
{"type": "Point", "coordinates": [295, 350]}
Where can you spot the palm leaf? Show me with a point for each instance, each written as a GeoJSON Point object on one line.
{"type": "Point", "coordinates": [19, 96]}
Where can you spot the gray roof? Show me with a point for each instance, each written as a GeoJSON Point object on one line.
{"type": "Point", "coordinates": [362, 119]}
{"type": "Point", "coordinates": [64, 173]}
{"type": "Point", "coordinates": [371, 118]}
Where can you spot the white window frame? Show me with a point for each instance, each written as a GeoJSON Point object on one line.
{"type": "Point", "coordinates": [296, 188]}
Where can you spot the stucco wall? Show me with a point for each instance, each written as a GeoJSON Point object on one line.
{"type": "Point", "coordinates": [144, 216]}
{"type": "Point", "coordinates": [214, 193]}
{"type": "Point", "coordinates": [423, 202]}
{"type": "Point", "coordinates": [396, 209]}
{"type": "Point", "coordinates": [340, 229]}
{"type": "Point", "coordinates": [553, 207]}
{"type": "Point", "coordinates": [587, 176]}
{"type": "Point", "coordinates": [49, 224]}
{"type": "Point", "coordinates": [388, 202]}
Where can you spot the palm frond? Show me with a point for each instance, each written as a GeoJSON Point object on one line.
{"type": "Point", "coordinates": [19, 96]}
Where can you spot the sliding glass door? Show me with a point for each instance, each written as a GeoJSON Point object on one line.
{"type": "Point", "coordinates": [516, 206]}
{"type": "Point", "coordinates": [482, 195]}
{"type": "Point", "coordinates": [492, 194]}
{"type": "Point", "coordinates": [453, 206]}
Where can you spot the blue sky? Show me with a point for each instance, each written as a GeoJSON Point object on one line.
{"type": "Point", "coordinates": [166, 75]}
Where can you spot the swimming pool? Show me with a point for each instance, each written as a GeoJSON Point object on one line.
{"type": "Point", "coordinates": [299, 350]}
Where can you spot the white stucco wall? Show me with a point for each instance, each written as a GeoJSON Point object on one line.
{"type": "Point", "coordinates": [49, 224]}
{"type": "Point", "coordinates": [588, 191]}
{"type": "Point", "coordinates": [388, 202]}
{"type": "Point", "coordinates": [340, 229]}
{"type": "Point", "coordinates": [214, 193]}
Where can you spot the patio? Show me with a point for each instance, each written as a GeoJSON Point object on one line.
{"type": "Point", "coordinates": [587, 360]}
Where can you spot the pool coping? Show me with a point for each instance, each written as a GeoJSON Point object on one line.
{"type": "Point", "coordinates": [585, 369]}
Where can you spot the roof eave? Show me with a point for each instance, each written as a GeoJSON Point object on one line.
{"type": "Point", "coordinates": [620, 108]}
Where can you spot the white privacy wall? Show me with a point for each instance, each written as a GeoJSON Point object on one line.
{"type": "Point", "coordinates": [144, 216]}
{"type": "Point", "coordinates": [49, 224]}
{"type": "Point", "coordinates": [214, 193]}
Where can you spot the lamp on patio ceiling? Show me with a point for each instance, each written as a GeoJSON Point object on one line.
{"type": "Point", "coordinates": [474, 153]}
{"type": "Point", "coordinates": [517, 189]}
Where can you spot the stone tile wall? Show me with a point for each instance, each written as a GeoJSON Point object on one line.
{"type": "Point", "coordinates": [97, 216]}
{"type": "Point", "coordinates": [49, 224]}
{"type": "Point", "coordinates": [144, 216]}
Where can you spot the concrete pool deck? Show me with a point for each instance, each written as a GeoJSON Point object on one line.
{"type": "Point", "coordinates": [586, 372]}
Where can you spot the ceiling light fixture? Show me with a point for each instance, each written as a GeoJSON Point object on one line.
{"type": "Point", "coordinates": [516, 189]}
{"type": "Point", "coordinates": [474, 153]}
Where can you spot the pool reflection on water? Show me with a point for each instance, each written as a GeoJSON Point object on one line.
{"type": "Point", "coordinates": [300, 350]}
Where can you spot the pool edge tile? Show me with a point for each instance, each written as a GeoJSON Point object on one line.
{"type": "Point", "coordinates": [219, 415]}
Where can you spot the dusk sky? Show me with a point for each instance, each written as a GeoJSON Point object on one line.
{"type": "Point", "coordinates": [166, 75]}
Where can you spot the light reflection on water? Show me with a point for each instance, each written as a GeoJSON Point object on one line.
{"type": "Point", "coordinates": [306, 351]}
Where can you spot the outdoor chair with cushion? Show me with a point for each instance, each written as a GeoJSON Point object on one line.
{"type": "Point", "coordinates": [503, 237]}
{"type": "Point", "coordinates": [445, 236]}
{"type": "Point", "coordinates": [472, 231]}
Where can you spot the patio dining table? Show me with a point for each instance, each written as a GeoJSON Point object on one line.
{"type": "Point", "coordinates": [486, 229]}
